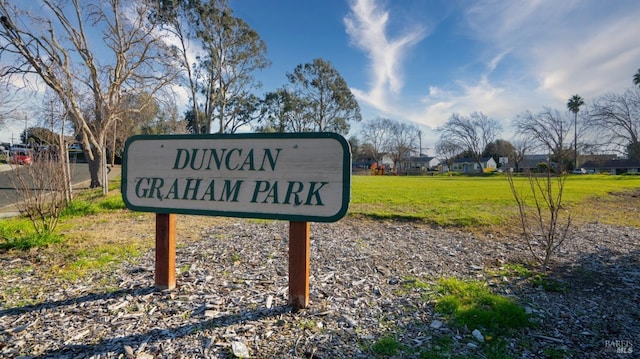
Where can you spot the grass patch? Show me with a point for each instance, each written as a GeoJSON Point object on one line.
{"type": "Point", "coordinates": [115, 185]}
{"type": "Point", "coordinates": [441, 347]}
{"type": "Point", "coordinates": [517, 270]}
{"type": "Point", "coordinates": [386, 346]}
{"type": "Point", "coordinates": [18, 233]}
{"type": "Point", "coordinates": [444, 201]}
{"type": "Point", "coordinates": [555, 353]}
{"type": "Point", "coordinates": [474, 201]}
{"type": "Point", "coordinates": [415, 283]}
{"type": "Point", "coordinates": [549, 284]}
{"type": "Point", "coordinates": [412, 284]}
{"type": "Point", "coordinates": [31, 240]}
{"type": "Point", "coordinates": [471, 304]}
{"type": "Point", "coordinates": [308, 324]}
{"type": "Point", "coordinates": [468, 305]}
{"type": "Point", "coordinates": [88, 205]}
{"type": "Point", "coordinates": [96, 258]}
{"type": "Point", "coordinates": [12, 226]}
{"type": "Point", "coordinates": [80, 208]}
{"type": "Point", "coordinates": [511, 270]}
{"type": "Point", "coordinates": [260, 220]}
{"type": "Point", "coordinates": [112, 203]}
{"type": "Point", "coordinates": [84, 248]}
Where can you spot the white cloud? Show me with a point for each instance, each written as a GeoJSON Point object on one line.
{"type": "Point", "coordinates": [567, 47]}
{"type": "Point", "coordinates": [367, 27]}
{"type": "Point", "coordinates": [495, 61]}
{"type": "Point", "coordinates": [536, 54]}
{"type": "Point", "coordinates": [482, 96]}
{"type": "Point", "coordinates": [603, 61]}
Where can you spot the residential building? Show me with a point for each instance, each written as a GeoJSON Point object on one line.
{"type": "Point", "coordinates": [470, 165]}
{"type": "Point", "coordinates": [418, 164]}
{"type": "Point", "coordinates": [529, 163]}
{"type": "Point", "coordinates": [614, 167]}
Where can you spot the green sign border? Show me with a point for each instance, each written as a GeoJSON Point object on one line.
{"type": "Point", "coordinates": [346, 175]}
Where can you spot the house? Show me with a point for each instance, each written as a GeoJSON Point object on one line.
{"type": "Point", "coordinates": [418, 164]}
{"type": "Point", "coordinates": [615, 167]}
{"type": "Point", "coordinates": [469, 165]}
{"type": "Point", "coordinates": [529, 163]}
{"type": "Point", "coordinates": [596, 160]}
{"type": "Point", "coordinates": [365, 163]}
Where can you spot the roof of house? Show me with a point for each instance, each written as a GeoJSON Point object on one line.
{"type": "Point", "coordinates": [531, 161]}
{"type": "Point", "coordinates": [539, 158]}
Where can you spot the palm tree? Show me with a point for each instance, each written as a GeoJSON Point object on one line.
{"type": "Point", "coordinates": [573, 105]}
{"type": "Point", "coordinates": [636, 78]}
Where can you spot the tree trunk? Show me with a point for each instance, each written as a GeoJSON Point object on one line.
{"type": "Point", "coordinates": [95, 170]}
{"type": "Point", "coordinates": [113, 145]}
{"type": "Point", "coordinates": [63, 158]}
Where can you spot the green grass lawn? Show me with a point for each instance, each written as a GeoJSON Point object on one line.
{"type": "Point", "coordinates": [465, 201]}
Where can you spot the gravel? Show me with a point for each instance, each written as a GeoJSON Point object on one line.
{"type": "Point", "coordinates": [231, 298]}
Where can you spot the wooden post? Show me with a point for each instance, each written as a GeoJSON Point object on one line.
{"type": "Point", "coordinates": [299, 258]}
{"type": "Point", "coordinates": [165, 251]}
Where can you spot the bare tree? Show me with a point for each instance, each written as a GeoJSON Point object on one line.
{"type": "Point", "coordinates": [139, 110]}
{"type": "Point", "coordinates": [89, 77]}
{"type": "Point", "coordinates": [521, 147]}
{"type": "Point", "coordinates": [617, 120]}
{"type": "Point", "coordinates": [546, 224]}
{"type": "Point", "coordinates": [498, 149]}
{"type": "Point", "coordinates": [403, 138]}
{"type": "Point", "coordinates": [54, 117]}
{"type": "Point", "coordinates": [41, 195]}
{"type": "Point", "coordinates": [10, 102]}
{"type": "Point", "coordinates": [356, 147]}
{"type": "Point", "coordinates": [376, 133]}
{"type": "Point", "coordinates": [548, 128]}
{"type": "Point", "coordinates": [472, 133]}
{"type": "Point", "coordinates": [447, 151]}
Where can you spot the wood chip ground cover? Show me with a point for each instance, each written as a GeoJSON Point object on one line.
{"type": "Point", "coordinates": [232, 294]}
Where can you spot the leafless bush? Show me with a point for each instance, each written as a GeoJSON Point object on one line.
{"type": "Point", "coordinates": [42, 192]}
{"type": "Point", "coordinates": [545, 223]}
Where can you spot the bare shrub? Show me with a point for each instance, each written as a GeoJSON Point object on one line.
{"type": "Point", "coordinates": [545, 223]}
{"type": "Point", "coordinates": [42, 192]}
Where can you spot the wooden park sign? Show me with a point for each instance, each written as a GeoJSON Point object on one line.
{"type": "Point", "coordinates": [301, 178]}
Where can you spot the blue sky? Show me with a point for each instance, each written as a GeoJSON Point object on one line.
{"type": "Point", "coordinates": [422, 60]}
